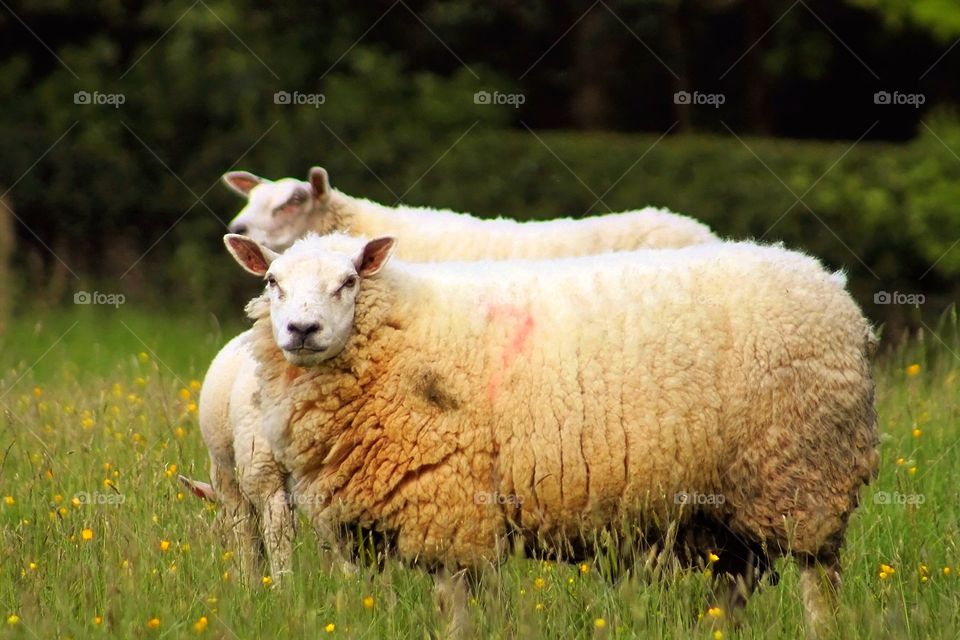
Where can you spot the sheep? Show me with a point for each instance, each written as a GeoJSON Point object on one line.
{"type": "Point", "coordinates": [456, 407]}
{"type": "Point", "coordinates": [277, 213]}
{"type": "Point", "coordinates": [245, 478]}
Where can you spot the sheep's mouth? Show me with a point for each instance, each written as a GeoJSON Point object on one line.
{"type": "Point", "coordinates": [304, 349]}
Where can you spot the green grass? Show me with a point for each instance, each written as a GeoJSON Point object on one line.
{"type": "Point", "coordinates": [107, 411]}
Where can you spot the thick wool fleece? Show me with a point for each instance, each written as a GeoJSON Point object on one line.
{"type": "Point", "coordinates": [425, 233]}
{"type": "Point", "coordinates": [570, 395]}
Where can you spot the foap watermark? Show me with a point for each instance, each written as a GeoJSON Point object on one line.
{"type": "Point", "coordinates": [100, 499]}
{"type": "Point", "coordinates": [497, 498]}
{"type": "Point", "coordinates": [96, 297]}
{"type": "Point", "coordinates": [297, 98]}
{"type": "Point", "coordinates": [696, 98]}
{"type": "Point", "coordinates": [512, 99]}
{"type": "Point", "coordinates": [96, 98]}
{"type": "Point", "coordinates": [897, 98]}
{"type": "Point", "coordinates": [898, 297]}
{"type": "Point", "coordinates": [699, 499]}
{"type": "Point", "coordinates": [897, 498]}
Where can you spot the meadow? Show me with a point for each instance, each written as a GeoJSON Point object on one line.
{"type": "Point", "coordinates": [98, 539]}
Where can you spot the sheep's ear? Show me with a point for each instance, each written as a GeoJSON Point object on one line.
{"type": "Point", "coordinates": [202, 490]}
{"type": "Point", "coordinates": [374, 255]}
{"type": "Point", "coordinates": [251, 256]}
{"type": "Point", "coordinates": [241, 181]}
{"type": "Point", "coordinates": [320, 182]}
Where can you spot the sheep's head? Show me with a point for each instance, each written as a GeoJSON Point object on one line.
{"type": "Point", "coordinates": [312, 289]}
{"type": "Point", "coordinates": [278, 212]}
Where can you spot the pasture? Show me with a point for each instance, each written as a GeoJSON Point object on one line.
{"type": "Point", "coordinates": [98, 539]}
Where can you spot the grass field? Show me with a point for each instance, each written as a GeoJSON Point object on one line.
{"type": "Point", "coordinates": [98, 540]}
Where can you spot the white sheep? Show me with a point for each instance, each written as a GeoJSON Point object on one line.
{"type": "Point", "coordinates": [456, 406]}
{"type": "Point", "coordinates": [279, 212]}
{"type": "Point", "coordinates": [246, 480]}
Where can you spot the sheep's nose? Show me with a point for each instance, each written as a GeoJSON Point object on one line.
{"type": "Point", "coordinates": [303, 329]}
{"type": "Point", "coordinates": [239, 229]}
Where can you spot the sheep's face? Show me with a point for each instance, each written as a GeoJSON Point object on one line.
{"type": "Point", "coordinates": [312, 292]}
{"type": "Point", "coordinates": [278, 212]}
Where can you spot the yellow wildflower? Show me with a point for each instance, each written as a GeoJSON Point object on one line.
{"type": "Point", "coordinates": [9, 501]}
{"type": "Point", "coordinates": [715, 612]}
{"type": "Point", "coordinates": [200, 625]}
{"type": "Point", "coordinates": [599, 623]}
{"type": "Point", "coordinates": [330, 628]}
{"type": "Point", "coordinates": [153, 623]}
{"type": "Point", "coordinates": [87, 534]}
{"type": "Point", "coordinates": [913, 370]}
{"type": "Point", "coordinates": [13, 619]}
{"type": "Point", "coordinates": [164, 545]}
{"type": "Point", "coordinates": [368, 602]}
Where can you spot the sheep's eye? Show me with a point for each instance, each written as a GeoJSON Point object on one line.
{"type": "Point", "coordinates": [349, 283]}
{"type": "Point", "coordinates": [271, 281]}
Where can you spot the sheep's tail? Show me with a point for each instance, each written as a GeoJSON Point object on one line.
{"type": "Point", "coordinates": [203, 490]}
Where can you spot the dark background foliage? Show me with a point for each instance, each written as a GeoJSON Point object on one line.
{"type": "Point", "coordinates": [128, 198]}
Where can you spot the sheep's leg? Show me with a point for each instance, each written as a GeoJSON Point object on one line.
{"type": "Point", "coordinates": [739, 581]}
{"type": "Point", "coordinates": [277, 527]}
{"type": "Point", "coordinates": [452, 594]}
{"type": "Point", "coordinates": [334, 545]}
{"type": "Point", "coordinates": [236, 519]}
{"type": "Point", "coordinates": [820, 588]}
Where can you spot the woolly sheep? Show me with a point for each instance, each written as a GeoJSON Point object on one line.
{"type": "Point", "coordinates": [245, 478]}
{"type": "Point", "coordinates": [456, 406]}
{"type": "Point", "coordinates": [256, 511]}
{"type": "Point", "coordinates": [278, 213]}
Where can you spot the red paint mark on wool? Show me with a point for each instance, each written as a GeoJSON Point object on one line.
{"type": "Point", "coordinates": [521, 326]}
